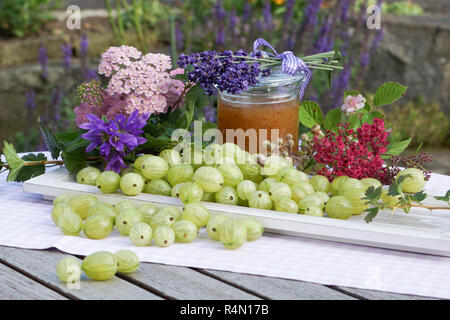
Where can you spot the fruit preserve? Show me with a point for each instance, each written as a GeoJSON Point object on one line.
{"type": "Point", "coordinates": [266, 111]}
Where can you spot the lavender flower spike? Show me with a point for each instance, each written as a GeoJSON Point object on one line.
{"type": "Point", "coordinates": [43, 60]}
{"type": "Point", "coordinates": [67, 56]}
{"type": "Point", "coordinates": [84, 45]}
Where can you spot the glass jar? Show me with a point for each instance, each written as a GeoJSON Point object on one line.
{"type": "Point", "coordinates": [266, 111]}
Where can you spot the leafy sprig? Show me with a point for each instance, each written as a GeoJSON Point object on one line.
{"type": "Point", "coordinates": [445, 198]}
{"type": "Point", "coordinates": [405, 200]}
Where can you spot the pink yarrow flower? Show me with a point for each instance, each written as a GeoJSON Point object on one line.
{"type": "Point", "coordinates": [352, 104]}
{"type": "Point", "coordinates": [145, 81]}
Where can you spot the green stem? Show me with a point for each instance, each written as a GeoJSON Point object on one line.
{"type": "Point", "coordinates": [137, 11]}
{"type": "Point", "coordinates": [173, 38]}
{"type": "Point", "coordinates": [120, 25]}
{"type": "Point", "coordinates": [112, 21]}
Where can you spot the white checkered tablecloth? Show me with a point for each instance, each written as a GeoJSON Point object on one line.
{"type": "Point", "coordinates": [26, 223]}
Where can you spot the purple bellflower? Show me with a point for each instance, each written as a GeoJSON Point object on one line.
{"type": "Point", "coordinates": [116, 138]}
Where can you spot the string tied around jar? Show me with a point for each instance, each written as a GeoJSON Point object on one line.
{"type": "Point", "coordinates": [290, 64]}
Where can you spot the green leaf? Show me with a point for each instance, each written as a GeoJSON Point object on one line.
{"type": "Point", "coordinates": [78, 143]}
{"type": "Point", "coordinates": [157, 144]}
{"type": "Point", "coordinates": [445, 198]}
{"type": "Point", "coordinates": [190, 114]}
{"type": "Point", "coordinates": [51, 141]}
{"type": "Point", "coordinates": [14, 162]}
{"type": "Point", "coordinates": [30, 171]}
{"type": "Point", "coordinates": [310, 114]}
{"type": "Point", "coordinates": [373, 193]}
{"type": "Point", "coordinates": [11, 155]}
{"type": "Point", "coordinates": [332, 119]}
{"type": "Point", "coordinates": [372, 213]}
{"type": "Point", "coordinates": [195, 95]}
{"type": "Point", "coordinates": [67, 137]}
{"type": "Point", "coordinates": [208, 125]}
{"type": "Point", "coordinates": [74, 160]}
{"type": "Point", "coordinates": [388, 93]}
{"type": "Point", "coordinates": [419, 196]}
{"type": "Point", "coordinates": [352, 93]}
{"type": "Point", "coordinates": [353, 121]}
{"type": "Point", "coordinates": [369, 116]}
{"type": "Point", "coordinates": [394, 189]}
{"type": "Point", "coordinates": [398, 147]}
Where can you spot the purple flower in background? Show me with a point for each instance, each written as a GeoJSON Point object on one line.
{"type": "Point", "coordinates": [84, 46]}
{"type": "Point", "coordinates": [116, 138]}
{"type": "Point", "coordinates": [341, 82]}
{"type": "Point", "coordinates": [364, 59]}
{"type": "Point", "coordinates": [67, 56]}
{"type": "Point", "coordinates": [30, 95]}
{"type": "Point", "coordinates": [246, 12]}
{"type": "Point", "coordinates": [267, 15]}
{"type": "Point", "coordinates": [43, 61]}
{"type": "Point", "coordinates": [91, 74]}
{"type": "Point", "coordinates": [377, 40]}
{"type": "Point", "coordinates": [344, 13]}
{"type": "Point", "coordinates": [322, 44]}
{"type": "Point", "coordinates": [210, 114]}
{"type": "Point", "coordinates": [232, 23]}
{"type": "Point", "coordinates": [179, 38]}
{"type": "Point", "coordinates": [259, 25]}
{"type": "Point", "coordinates": [220, 15]}
{"type": "Point", "coordinates": [55, 101]}
{"type": "Point", "coordinates": [288, 33]}
{"type": "Point", "coordinates": [220, 36]}
{"type": "Point", "coordinates": [310, 18]}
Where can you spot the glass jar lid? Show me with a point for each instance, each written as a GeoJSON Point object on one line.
{"type": "Point", "coordinates": [277, 78]}
{"type": "Point", "coordinates": [278, 86]}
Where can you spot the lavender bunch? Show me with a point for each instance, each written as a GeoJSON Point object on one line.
{"type": "Point", "coordinates": [226, 71]}
{"type": "Point", "coordinates": [235, 72]}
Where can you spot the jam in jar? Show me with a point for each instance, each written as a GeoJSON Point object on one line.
{"type": "Point", "coordinates": [266, 111]}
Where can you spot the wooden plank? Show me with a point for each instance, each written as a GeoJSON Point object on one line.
{"type": "Point", "coordinates": [185, 283]}
{"type": "Point", "coordinates": [41, 264]}
{"type": "Point", "coordinates": [16, 286]}
{"type": "Point", "coordinates": [380, 295]}
{"type": "Point", "coordinates": [277, 289]}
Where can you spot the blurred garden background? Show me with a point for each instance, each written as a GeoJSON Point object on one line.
{"type": "Point", "coordinates": [42, 61]}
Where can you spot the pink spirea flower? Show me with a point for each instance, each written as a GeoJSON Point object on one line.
{"type": "Point", "coordinates": [144, 81]}
{"type": "Point", "coordinates": [81, 111]}
{"type": "Point", "coordinates": [356, 154]}
{"type": "Point", "coordinates": [352, 104]}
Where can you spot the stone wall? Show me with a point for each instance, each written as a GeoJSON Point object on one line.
{"type": "Point", "coordinates": [415, 51]}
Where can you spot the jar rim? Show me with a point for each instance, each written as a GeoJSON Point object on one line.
{"type": "Point", "coordinates": [276, 82]}
{"type": "Point", "coordinates": [278, 78]}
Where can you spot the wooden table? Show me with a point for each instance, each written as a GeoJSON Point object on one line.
{"type": "Point", "coordinates": [31, 274]}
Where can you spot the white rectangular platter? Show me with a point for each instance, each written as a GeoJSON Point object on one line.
{"type": "Point", "coordinates": [418, 231]}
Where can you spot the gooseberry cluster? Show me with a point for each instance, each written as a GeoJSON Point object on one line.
{"type": "Point", "coordinates": [147, 222]}
{"type": "Point", "coordinates": [229, 175]}
{"type": "Point", "coordinates": [101, 265]}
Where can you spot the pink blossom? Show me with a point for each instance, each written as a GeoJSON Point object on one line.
{"type": "Point", "coordinates": [352, 104]}
{"type": "Point", "coordinates": [136, 82]}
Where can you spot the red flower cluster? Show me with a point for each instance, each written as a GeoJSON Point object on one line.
{"type": "Point", "coordinates": [356, 154]}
